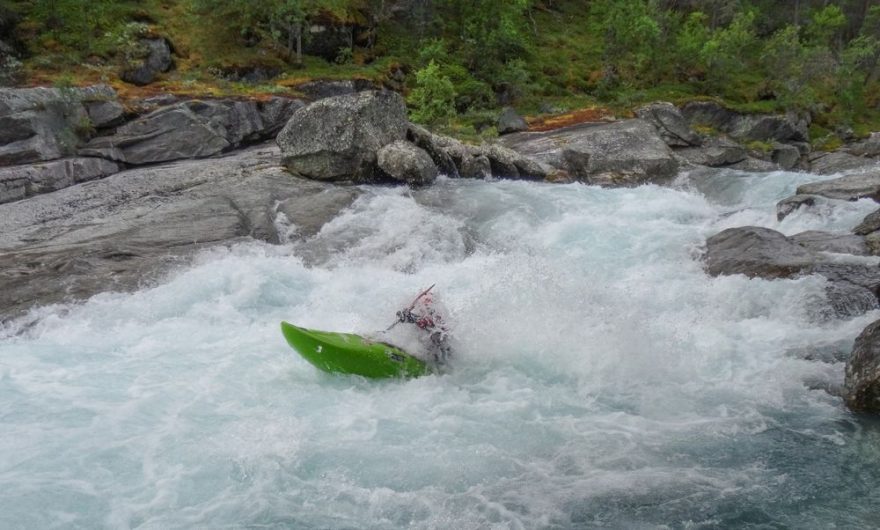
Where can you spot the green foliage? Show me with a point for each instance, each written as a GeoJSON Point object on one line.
{"type": "Point", "coordinates": [433, 98]}
{"type": "Point", "coordinates": [727, 50]}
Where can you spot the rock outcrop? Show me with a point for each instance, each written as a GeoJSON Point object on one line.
{"type": "Point", "coordinates": [848, 188]}
{"type": "Point", "coordinates": [747, 127]}
{"type": "Point", "coordinates": [862, 385]}
{"type": "Point", "coordinates": [192, 129]}
{"type": "Point", "coordinates": [670, 123]}
{"type": "Point", "coordinates": [624, 153]}
{"type": "Point", "coordinates": [338, 138]}
{"type": "Point", "coordinates": [114, 233]}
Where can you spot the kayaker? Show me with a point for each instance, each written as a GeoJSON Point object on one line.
{"type": "Point", "coordinates": [424, 313]}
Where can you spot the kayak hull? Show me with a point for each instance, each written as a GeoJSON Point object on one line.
{"type": "Point", "coordinates": [346, 353]}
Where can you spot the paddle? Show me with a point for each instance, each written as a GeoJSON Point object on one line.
{"type": "Point", "coordinates": [412, 305]}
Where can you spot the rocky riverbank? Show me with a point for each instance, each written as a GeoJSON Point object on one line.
{"type": "Point", "coordinates": [100, 194]}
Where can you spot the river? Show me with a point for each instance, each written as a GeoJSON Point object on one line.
{"type": "Point", "coordinates": [601, 379]}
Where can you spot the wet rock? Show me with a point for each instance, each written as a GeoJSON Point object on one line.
{"type": "Point", "coordinates": [823, 163]}
{"type": "Point", "coordinates": [756, 252]}
{"type": "Point", "coordinates": [754, 165]}
{"type": "Point", "coordinates": [786, 206]}
{"type": "Point", "coordinates": [848, 188]}
{"type": "Point", "coordinates": [510, 122]}
{"type": "Point", "coordinates": [624, 153]}
{"type": "Point", "coordinates": [862, 385]}
{"type": "Point", "coordinates": [818, 241]}
{"type": "Point", "coordinates": [871, 223]}
{"type": "Point", "coordinates": [405, 162]}
{"type": "Point", "coordinates": [671, 125]}
{"type": "Point", "coordinates": [447, 153]}
{"type": "Point", "coordinates": [24, 181]}
{"type": "Point", "coordinates": [338, 138]}
{"type": "Point", "coordinates": [156, 58]}
{"type": "Point", "coordinates": [118, 232]}
{"type": "Point", "coordinates": [509, 164]}
{"type": "Point", "coordinates": [476, 167]}
{"type": "Point", "coordinates": [848, 300]}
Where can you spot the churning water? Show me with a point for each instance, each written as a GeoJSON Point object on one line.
{"type": "Point", "coordinates": [601, 379]}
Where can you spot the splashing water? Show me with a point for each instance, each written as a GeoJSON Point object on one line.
{"type": "Point", "coordinates": [601, 379]}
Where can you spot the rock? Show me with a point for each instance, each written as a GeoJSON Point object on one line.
{"type": "Point", "coordinates": [510, 122]}
{"type": "Point", "coordinates": [715, 152]}
{"type": "Point", "coordinates": [476, 167]}
{"type": "Point", "coordinates": [38, 124]}
{"type": "Point", "coordinates": [747, 127]}
{"type": "Point", "coordinates": [786, 156]}
{"type": "Point", "coordinates": [818, 241]}
{"type": "Point", "coordinates": [787, 206]}
{"type": "Point", "coordinates": [156, 59]}
{"type": "Point", "coordinates": [708, 114]}
{"type": "Point", "coordinates": [872, 241]}
{"type": "Point", "coordinates": [623, 153]}
{"type": "Point", "coordinates": [405, 162]}
{"type": "Point", "coordinates": [823, 163]}
{"type": "Point", "coordinates": [105, 114]}
{"type": "Point", "coordinates": [320, 88]}
{"type": "Point", "coordinates": [338, 138]}
{"type": "Point", "coordinates": [869, 147]}
{"type": "Point", "coordinates": [756, 252]}
{"type": "Point", "coordinates": [670, 124]}
{"type": "Point", "coordinates": [440, 149]}
{"type": "Point", "coordinates": [848, 188]}
{"type": "Point", "coordinates": [509, 164]}
{"type": "Point", "coordinates": [871, 223]}
{"type": "Point", "coordinates": [754, 165]}
{"type": "Point", "coordinates": [276, 112]}
{"type": "Point", "coordinates": [152, 103]}
{"type": "Point", "coordinates": [327, 40]}
{"type": "Point", "coordinates": [862, 386]}
{"type": "Point", "coordinates": [847, 300]}
{"type": "Point", "coordinates": [170, 133]}
{"type": "Point", "coordinates": [121, 231]}
{"type": "Point", "coordinates": [51, 176]}
{"type": "Point", "coordinates": [192, 129]}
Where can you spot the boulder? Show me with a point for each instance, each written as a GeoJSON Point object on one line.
{"type": "Point", "coordinates": [786, 206]}
{"type": "Point", "coordinates": [848, 188]}
{"type": "Point", "coordinates": [818, 241]}
{"type": "Point", "coordinates": [276, 112]}
{"type": "Point", "coordinates": [105, 114]}
{"type": "Point", "coordinates": [785, 156]}
{"type": "Point", "coordinates": [117, 233]}
{"type": "Point", "coordinates": [623, 153]}
{"type": "Point", "coordinates": [509, 164]}
{"type": "Point", "coordinates": [338, 138]}
{"type": "Point", "coordinates": [405, 162]}
{"type": "Point", "coordinates": [708, 114]}
{"type": "Point", "coordinates": [756, 252]}
{"type": "Point", "coordinates": [441, 149]}
{"type": "Point", "coordinates": [869, 147]}
{"type": "Point", "coordinates": [24, 181]}
{"type": "Point", "coordinates": [754, 165]}
{"type": "Point", "coordinates": [871, 223]}
{"type": "Point", "coordinates": [862, 384]}
{"type": "Point", "coordinates": [510, 122]}
{"type": "Point", "coordinates": [156, 58]}
{"type": "Point", "coordinates": [823, 163]}
{"type": "Point", "coordinates": [670, 124]}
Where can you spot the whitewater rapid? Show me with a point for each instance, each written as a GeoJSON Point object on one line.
{"type": "Point", "coordinates": [601, 378]}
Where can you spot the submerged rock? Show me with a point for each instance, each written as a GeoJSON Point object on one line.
{"type": "Point", "coordinates": [756, 252]}
{"type": "Point", "coordinates": [786, 206]}
{"type": "Point", "coordinates": [338, 138]}
{"type": "Point", "coordinates": [862, 386]}
{"type": "Point", "coordinates": [818, 241]}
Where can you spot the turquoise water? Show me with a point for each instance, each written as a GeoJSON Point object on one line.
{"type": "Point", "coordinates": [602, 380]}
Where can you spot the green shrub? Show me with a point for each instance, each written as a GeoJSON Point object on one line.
{"type": "Point", "coordinates": [433, 98]}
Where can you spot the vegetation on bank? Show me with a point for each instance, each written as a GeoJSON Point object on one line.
{"type": "Point", "coordinates": [460, 60]}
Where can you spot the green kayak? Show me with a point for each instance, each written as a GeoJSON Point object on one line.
{"type": "Point", "coordinates": [346, 353]}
